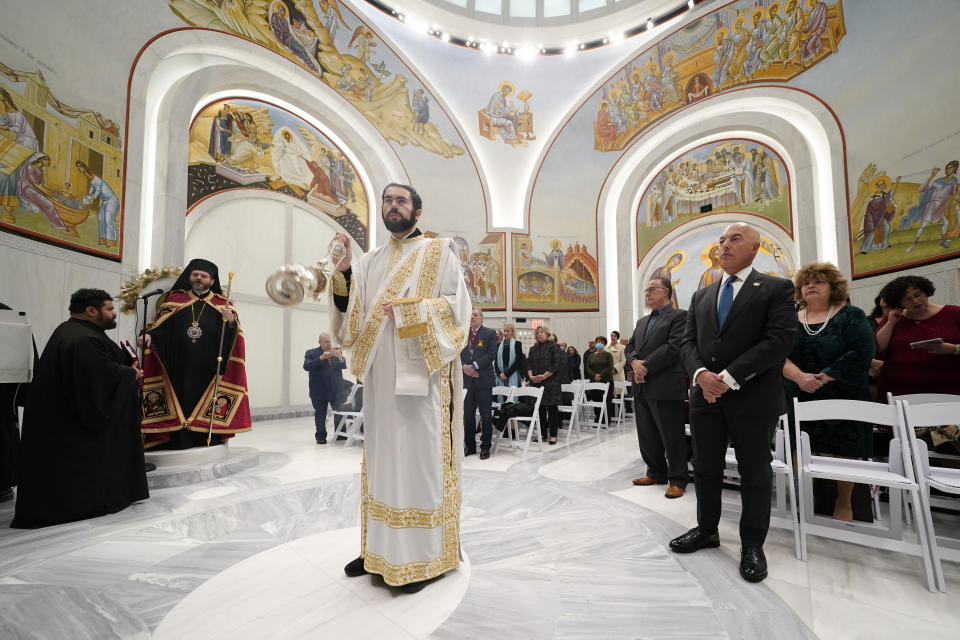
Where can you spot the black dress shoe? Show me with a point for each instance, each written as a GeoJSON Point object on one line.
{"type": "Point", "coordinates": [753, 564]}
{"type": "Point", "coordinates": [147, 466]}
{"type": "Point", "coordinates": [469, 452]}
{"type": "Point", "coordinates": [354, 568]}
{"type": "Point", "coordinates": [414, 587]}
{"type": "Point", "coordinates": [694, 540]}
{"type": "Point", "coordinates": [484, 453]}
{"type": "Point", "coordinates": [321, 441]}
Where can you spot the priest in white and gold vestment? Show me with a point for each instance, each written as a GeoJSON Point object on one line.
{"type": "Point", "coordinates": [403, 310]}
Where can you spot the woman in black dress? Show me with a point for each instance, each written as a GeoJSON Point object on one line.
{"type": "Point", "coordinates": [544, 362]}
{"type": "Point", "coordinates": [830, 360]}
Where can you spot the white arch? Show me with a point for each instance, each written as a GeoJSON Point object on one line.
{"type": "Point", "coordinates": [791, 121]}
{"type": "Point", "coordinates": [179, 72]}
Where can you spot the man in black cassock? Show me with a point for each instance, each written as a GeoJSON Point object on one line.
{"type": "Point", "coordinates": [188, 343]}
{"type": "Point", "coordinates": [81, 454]}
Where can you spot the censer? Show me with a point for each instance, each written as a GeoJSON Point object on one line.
{"type": "Point", "coordinates": [292, 282]}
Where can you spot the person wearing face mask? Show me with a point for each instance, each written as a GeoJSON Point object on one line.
{"type": "Point", "coordinates": [81, 455]}
{"type": "Point", "coordinates": [181, 346]}
{"type": "Point", "coordinates": [599, 368]}
{"type": "Point", "coordinates": [403, 311]}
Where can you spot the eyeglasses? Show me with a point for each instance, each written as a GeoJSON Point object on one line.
{"type": "Point", "coordinates": [652, 289]}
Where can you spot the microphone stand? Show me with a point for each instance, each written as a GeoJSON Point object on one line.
{"type": "Point", "coordinates": [142, 347]}
{"type": "Point", "coordinates": [142, 334]}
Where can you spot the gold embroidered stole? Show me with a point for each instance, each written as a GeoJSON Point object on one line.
{"type": "Point", "coordinates": [413, 323]}
{"type": "Point", "coordinates": [363, 335]}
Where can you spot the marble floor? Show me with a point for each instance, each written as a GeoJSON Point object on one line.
{"type": "Point", "coordinates": [559, 545]}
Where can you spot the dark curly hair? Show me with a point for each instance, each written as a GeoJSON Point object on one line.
{"type": "Point", "coordinates": [83, 298]}
{"type": "Point", "coordinates": [896, 290]}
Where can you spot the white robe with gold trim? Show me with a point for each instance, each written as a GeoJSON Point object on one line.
{"type": "Point", "coordinates": [412, 410]}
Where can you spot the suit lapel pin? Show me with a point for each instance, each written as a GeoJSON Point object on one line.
{"type": "Point", "coordinates": [756, 284]}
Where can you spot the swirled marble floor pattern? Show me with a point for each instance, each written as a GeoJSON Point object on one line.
{"type": "Point", "coordinates": [547, 558]}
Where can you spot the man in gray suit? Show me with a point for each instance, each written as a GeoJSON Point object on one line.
{"type": "Point", "coordinates": [659, 389]}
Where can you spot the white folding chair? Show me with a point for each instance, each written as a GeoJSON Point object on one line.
{"type": "Point", "coordinates": [941, 478]}
{"type": "Point", "coordinates": [620, 390]}
{"type": "Point", "coordinates": [351, 421]}
{"type": "Point", "coordinates": [931, 398]}
{"type": "Point", "coordinates": [589, 406]}
{"type": "Point", "coordinates": [784, 514]}
{"type": "Point", "coordinates": [897, 474]}
{"type": "Point", "coordinates": [512, 428]}
{"type": "Point", "coordinates": [501, 394]}
{"type": "Point", "coordinates": [574, 388]}
{"type": "Point", "coordinates": [628, 401]}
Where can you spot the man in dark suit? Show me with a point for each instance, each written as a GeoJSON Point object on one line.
{"type": "Point", "coordinates": [659, 389]}
{"type": "Point", "coordinates": [477, 360]}
{"type": "Point", "coordinates": [326, 366]}
{"type": "Point", "coordinates": [738, 333]}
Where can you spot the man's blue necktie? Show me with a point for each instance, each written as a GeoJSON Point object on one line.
{"type": "Point", "coordinates": [650, 321]}
{"type": "Point", "coordinates": [726, 300]}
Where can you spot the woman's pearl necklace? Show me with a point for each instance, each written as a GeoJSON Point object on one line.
{"type": "Point", "coordinates": [806, 327]}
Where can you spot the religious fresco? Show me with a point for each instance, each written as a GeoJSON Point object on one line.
{"type": "Point", "coordinates": [332, 43]}
{"type": "Point", "coordinates": [898, 221]}
{"type": "Point", "coordinates": [60, 168]}
{"type": "Point", "coordinates": [562, 280]}
{"type": "Point", "coordinates": [483, 270]}
{"type": "Point", "coordinates": [505, 118]}
{"type": "Point", "coordinates": [720, 177]}
{"type": "Point", "coordinates": [691, 262]}
{"type": "Point", "coordinates": [742, 43]}
{"type": "Point", "coordinates": [250, 144]}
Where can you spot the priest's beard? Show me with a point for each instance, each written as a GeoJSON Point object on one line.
{"type": "Point", "coordinates": [200, 290]}
{"type": "Point", "coordinates": [400, 225]}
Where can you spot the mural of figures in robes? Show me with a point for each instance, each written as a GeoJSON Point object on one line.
{"type": "Point", "coordinates": [331, 42]}
{"type": "Point", "coordinates": [60, 168]}
{"type": "Point", "coordinates": [720, 177]}
{"type": "Point", "coordinates": [677, 260]}
{"type": "Point", "coordinates": [768, 42]}
{"type": "Point", "coordinates": [250, 144]}
{"type": "Point", "coordinates": [554, 277]}
{"type": "Point", "coordinates": [506, 118]}
{"type": "Point", "coordinates": [482, 265]}
{"type": "Point", "coordinates": [905, 219]}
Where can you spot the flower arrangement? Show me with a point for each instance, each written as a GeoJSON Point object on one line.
{"type": "Point", "coordinates": [134, 287]}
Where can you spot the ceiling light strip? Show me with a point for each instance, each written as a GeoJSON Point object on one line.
{"type": "Point", "coordinates": [506, 49]}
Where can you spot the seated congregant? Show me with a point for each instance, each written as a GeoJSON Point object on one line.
{"type": "Point", "coordinates": [81, 454]}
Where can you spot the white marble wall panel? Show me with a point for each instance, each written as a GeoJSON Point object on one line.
{"type": "Point", "coordinates": [39, 278]}
{"type": "Point", "coordinates": [262, 332]}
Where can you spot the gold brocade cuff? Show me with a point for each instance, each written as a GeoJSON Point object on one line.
{"type": "Point", "coordinates": [410, 315]}
{"type": "Point", "coordinates": [339, 284]}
